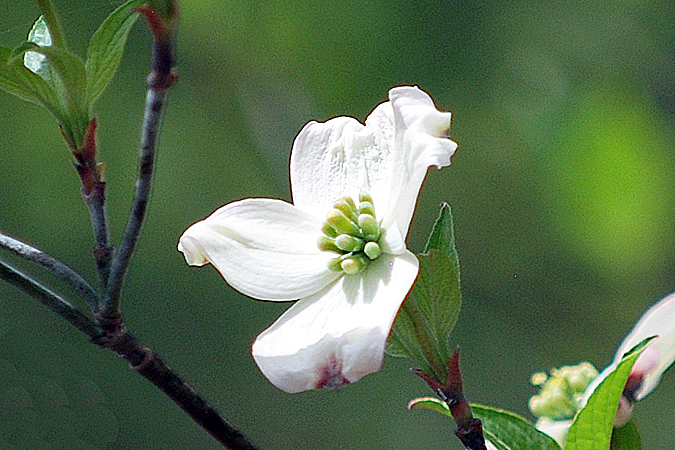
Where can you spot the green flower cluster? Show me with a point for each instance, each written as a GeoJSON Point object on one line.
{"type": "Point", "coordinates": [561, 392]}
{"type": "Point", "coordinates": [352, 232]}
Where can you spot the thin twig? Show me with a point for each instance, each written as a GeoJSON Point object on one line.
{"type": "Point", "coordinates": [159, 82]}
{"type": "Point", "coordinates": [469, 429]}
{"type": "Point", "coordinates": [94, 195]}
{"type": "Point", "coordinates": [115, 337]}
{"type": "Point", "coordinates": [150, 366]}
{"type": "Point", "coordinates": [159, 374]}
{"type": "Point", "coordinates": [53, 266]}
{"type": "Point", "coordinates": [109, 330]}
{"type": "Point", "coordinates": [154, 106]}
{"type": "Point", "coordinates": [154, 103]}
{"type": "Point", "coordinates": [103, 251]}
{"type": "Point", "coordinates": [142, 359]}
{"type": "Point", "coordinates": [51, 300]}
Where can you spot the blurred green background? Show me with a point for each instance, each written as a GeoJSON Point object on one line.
{"type": "Point", "coordinates": [562, 191]}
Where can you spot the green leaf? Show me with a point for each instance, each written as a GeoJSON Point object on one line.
{"type": "Point", "coordinates": [18, 80]}
{"type": "Point", "coordinates": [592, 426]}
{"type": "Point", "coordinates": [427, 317]}
{"type": "Point", "coordinates": [106, 48]}
{"type": "Point", "coordinates": [70, 70]}
{"type": "Point", "coordinates": [432, 404]}
{"type": "Point", "coordinates": [506, 430]}
{"type": "Point", "coordinates": [69, 85]}
{"type": "Point", "coordinates": [442, 235]}
{"type": "Point", "coordinates": [438, 289]}
{"type": "Point", "coordinates": [627, 437]}
{"type": "Point", "coordinates": [509, 431]}
{"type": "Point", "coordinates": [405, 336]}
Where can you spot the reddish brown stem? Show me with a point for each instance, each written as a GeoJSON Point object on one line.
{"type": "Point", "coordinates": [469, 429]}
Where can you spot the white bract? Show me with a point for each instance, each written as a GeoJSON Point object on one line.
{"type": "Point", "coordinates": [339, 248]}
{"type": "Point", "coordinates": [655, 359]}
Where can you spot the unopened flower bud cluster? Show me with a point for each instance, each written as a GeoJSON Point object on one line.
{"type": "Point", "coordinates": [352, 232]}
{"type": "Point", "coordinates": [561, 392]}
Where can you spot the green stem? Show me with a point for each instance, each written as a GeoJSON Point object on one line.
{"type": "Point", "coordinates": [52, 19]}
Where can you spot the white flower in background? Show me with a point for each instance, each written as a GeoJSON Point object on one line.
{"type": "Point", "coordinates": [568, 389]}
{"type": "Point", "coordinates": [655, 359]}
{"type": "Point", "coordinates": [339, 248]}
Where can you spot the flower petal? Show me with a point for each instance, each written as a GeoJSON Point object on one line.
{"type": "Point", "coordinates": [330, 160]}
{"type": "Point", "coordinates": [659, 320]}
{"type": "Point", "coordinates": [264, 248]}
{"type": "Point", "coordinates": [338, 335]}
{"type": "Point", "coordinates": [420, 141]}
{"type": "Point", "coordinates": [388, 158]}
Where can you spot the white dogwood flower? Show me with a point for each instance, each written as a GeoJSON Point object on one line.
{"type": "Point", "coordinates": [339, 248]}
{"type": "Point", "coordinates": [655, 359]}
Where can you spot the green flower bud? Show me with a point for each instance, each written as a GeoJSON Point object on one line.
{"type": "Point", "coordinates": [372, 250]}
{"type": "Point", "coordinates": [328, 245]}
{"type": "Point", "coordinates": [353, 233]}
{"type": "Point", "coordinates": [329, 231]}
{"type": "Point", "coordinates": [354, 264]}
{"type": "Point", "coordinates": [348, 208]}
{"type": "Point", "coordinates": [349, 200]}
{"type": "Point", "coordinates": [342, 223]}
{"type": "Point", "coordinates": [365, 197]}
{"type": "Point", "coordinates": [370, 227]}
{"type": "Point", "coordinates": [579, 377]}
{"type": "Point", "coordinates": [348, 243]}
{"type": "Point", "coordinates": [367, 208]}
{"type": "Point", "coordinates": [553, 401]}
{"type": "Point", "coordinates": [538, 379]}
{"type": "Point", "coordinates": [335, 264]}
